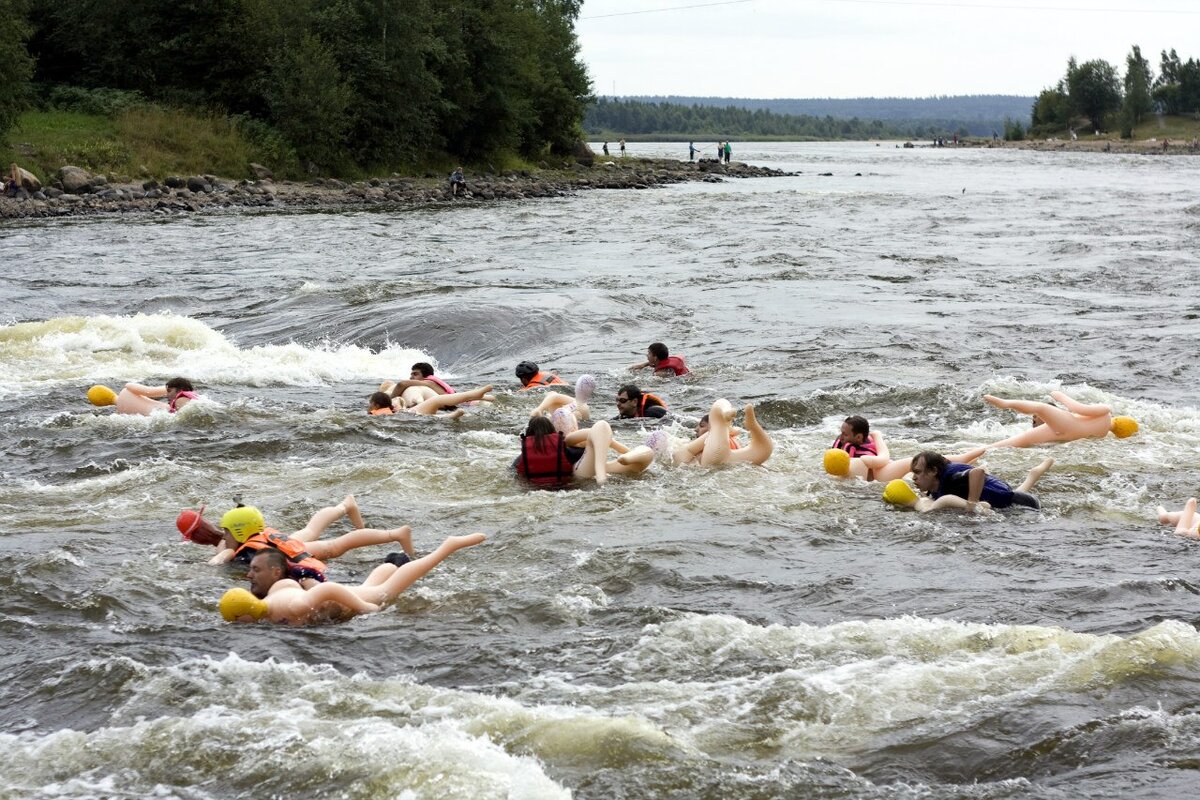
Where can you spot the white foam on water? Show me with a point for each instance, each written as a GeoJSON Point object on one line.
{"type": "Point", "coordinates": [283, 729]}
{"type": "Point", "coordinates": [720, 684]}
{"type": "Point", "coordinates": [36, 356]}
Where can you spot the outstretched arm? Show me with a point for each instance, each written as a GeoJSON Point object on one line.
{"type": "Point", "coordinates": [147, 391]}
{"type": "Point", "coordinates": [927, 504]}
{"type": "Point", "coordinates": [223, 556]}
{"type": "Point", "coordinates": [639, 365]}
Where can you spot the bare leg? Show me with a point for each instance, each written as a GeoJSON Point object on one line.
{"type": "Point", "coordinates": [352, 512]}
{"type": "Point", "coordinates": [434, 404]}
{"type": "Point", "coordinates": [322, 520]}
{"type": "Point", "coordinates": [551, 403]}
{"type": "Point", "coordinates": [1035, 475]}
{"type": "Point", "coordinates": [716, 441]}
{"type": "Point", "coordinates": [405, 576]}
{"type": "Point", "coordinates": [1168, 517]}
{"type": "Point", "coordinates": [1057, 419]}
{"type": "Point", "coordinates": [881, 447]}
{"type": "Point", "coordinates": [1082, 409]}
{"type": "Point", "coordinates": [332, 548]}
{"type": "Point", "coordinates": [594, 463]}
{"type": "Point", "coordinates": [633, 462]}
{"type": "Point", "coordinates": [1187, 518]}
{"type": "Point", "coordinates": [760, 447]}
{"type": "Point", "coordinates": [883, 469]}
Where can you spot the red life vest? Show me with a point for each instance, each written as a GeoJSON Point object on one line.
{"type": "Point", "coordinates": [381, 412]}
{"type": "Point", "coordinates": [541, 379]}
{"type": "Point", "coordinates": [299, 559]}
{"type": "Point", "coordinates": [674, 363]}
{"type": "Point", "coordinates": [445, 386]}
{"type": "Point", "coordinates": [186, 395]}
{"type": "Point", "coordinates": [546, 466]}
{"type": "Point", "coordinates": [867, 448]}
{"type": "Point", "coordinates": [641, 412]}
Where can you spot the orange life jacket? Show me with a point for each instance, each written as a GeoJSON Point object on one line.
{"type": "Point", "coordinates": [541, 379]}
{"type": "Point", "coordinates": [379, 412]}
{"type": "Point", "coordinates": [299, 559]}
{"type": "Point", "coordinates": [641, 412]}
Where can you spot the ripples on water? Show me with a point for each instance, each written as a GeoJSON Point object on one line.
{"type": "Point", "coordinates": [741, 633]}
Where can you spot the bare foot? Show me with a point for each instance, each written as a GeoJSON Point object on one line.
{"type": "Point", "coordinates": [457, 413]}
{"type": "Point", "coordinates": [1035, 475]}
{"type": "Point", "coordinates": [403, 537]}
{"type": "Point", "coordinates": [991, 399]}
{"type": "Point", "coordinates": [352, 512]}
{"type": "Point", "coordinates": [459, 542]}
{"type": "Point", "coordinates": [1165, 517]}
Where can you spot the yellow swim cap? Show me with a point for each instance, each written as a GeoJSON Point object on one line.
{"type": "Point", "coordinates": [837, 462]}
{"type": "Point", "coordinates": [899, 493]}
{"type": "Point", "coordinates": [240, 603]}
{"type": "Point", "coordinates": [101, 396]}
{"type": "Point", "coordinates": [243, 522]}
{"type": "Point", "coordinates": [1124, 427]}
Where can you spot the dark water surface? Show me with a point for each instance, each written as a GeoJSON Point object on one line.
{"type": "Point", "coordinates": [740, 633]}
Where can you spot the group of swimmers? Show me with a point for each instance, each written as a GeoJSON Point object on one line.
{"type": "Point", "coordinates": [561, 445]}
{"type": "Point", "coordinates": [953, 481]}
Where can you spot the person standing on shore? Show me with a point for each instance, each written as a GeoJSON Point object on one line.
{"type": "Point", "coordinates": [728, 152]}
{"type": "Point", "coordinates": [691, 151]}
{"type": "Point", "coordinates": [622, 148]}
{"type": "Point", "coordinates": [606, 148]}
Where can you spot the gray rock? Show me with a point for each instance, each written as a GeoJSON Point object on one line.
{"type": "Point", "coordinates": [261, 172]}
{"type": "Point", "coordinates": [197, 184]}
{"type": "Point", "coordinates": [74, 179]}
{"type": "Point", "coordinates": [175, 182]}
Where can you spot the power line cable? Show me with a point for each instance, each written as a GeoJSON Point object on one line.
{"type": "Point", "coordinates": [925, 3]}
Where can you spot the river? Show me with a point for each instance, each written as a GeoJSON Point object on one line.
{"type": "Point", "coordinates": [737, 633]}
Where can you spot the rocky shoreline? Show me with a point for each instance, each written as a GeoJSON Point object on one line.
{"type": "Point", "coordinates": [74, 192]}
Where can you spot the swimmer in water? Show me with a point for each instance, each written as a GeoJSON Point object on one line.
{"type": "Point", "coordinates": [935, 475]}
{"type": "Point", "coordinates": [137, 398]}
{"type": "Point", "coordinates": [1078, 421]}
{"type": "Point", "coordinates": [287, 603]}
{"type": "Point", "coordinates": [244, 533]}
{"type": "Point", "coordinates": [1185, 520]}
{"type": "Point", "coordinates": [840, 464]}
{"type": "Point", "coordinates": [716, 445]}
{"type": "Point", "coordinates": [552, 459]}
{"type": "Point", "coordinates": [420, 377]}
{"type": "Point", "coordinates": [567, 412]}
{"type": "Point", "coordinates": [899, 493]}
{"type": "Point", "coordinates": [431, 403]}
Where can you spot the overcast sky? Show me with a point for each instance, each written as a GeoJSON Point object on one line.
{"type": "Point", "coordinates": [861, 48]}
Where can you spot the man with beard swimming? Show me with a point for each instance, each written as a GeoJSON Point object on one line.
{"type": "Point", "coordinates": [285, 602]}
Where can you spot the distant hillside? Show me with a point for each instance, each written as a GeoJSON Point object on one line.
{"type": "Point", "coordinates": [978, 114]}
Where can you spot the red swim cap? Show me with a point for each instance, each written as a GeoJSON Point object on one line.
{"type": "Point", "coordinates": [188, 523]}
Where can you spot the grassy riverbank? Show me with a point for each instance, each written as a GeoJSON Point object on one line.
{"type": "Point", "coordinates": [153, 142]}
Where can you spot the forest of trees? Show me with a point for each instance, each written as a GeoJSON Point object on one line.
{"type": "Point", "coordinates": [1095, 93]}
{"type": "Point", "coordinates": [364, 82]}
{"type": "Point", "coordinates": [979, 114]}
{"type": "Point", "coordinates": [634, 117]}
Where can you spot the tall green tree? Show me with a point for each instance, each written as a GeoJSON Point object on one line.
{"type": "Point", "coordinates": [1095, 90]}
{"type": "Point", "coordinates": [1138, 80]}
{"type": "Point", "coordinates": [16, 67]}
{"type": "Point", "coordinates": [308, 98]}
